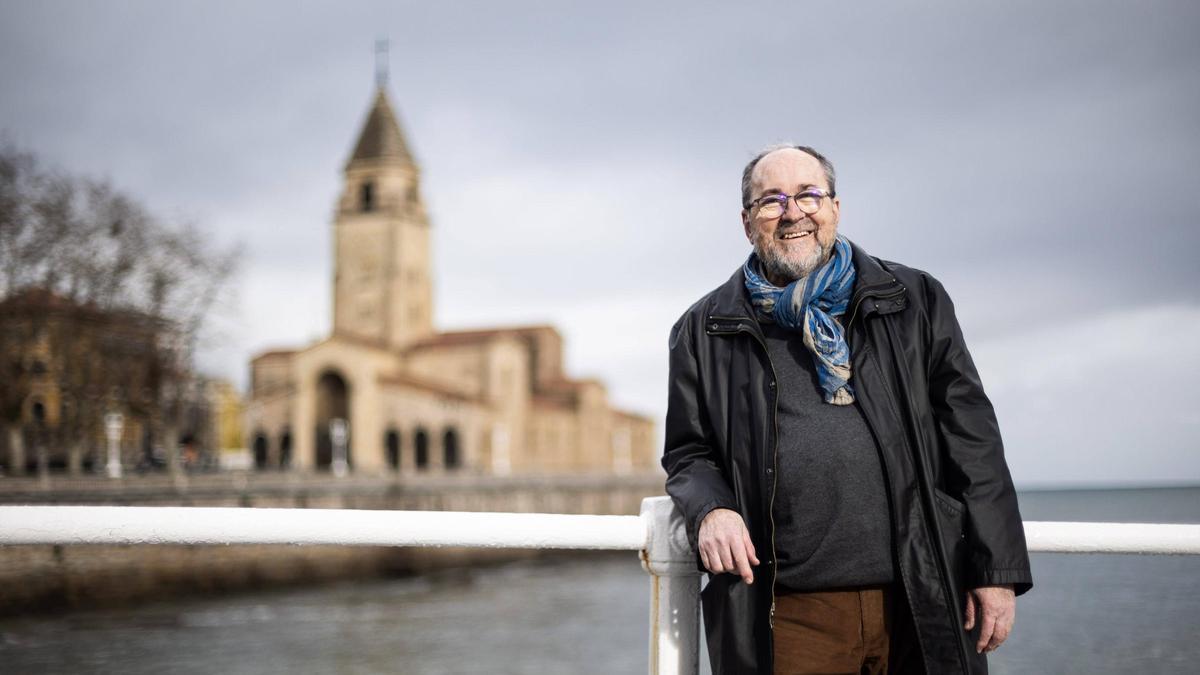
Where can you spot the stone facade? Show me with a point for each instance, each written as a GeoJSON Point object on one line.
{"type": "Point", "coordinates": [492, 401]}
{"type": "Point", "coordinates": [65, 366]}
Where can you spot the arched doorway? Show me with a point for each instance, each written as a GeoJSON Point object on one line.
{"type": "Point", "coordinates": [37, 439]}
{"type": "Point", "coordinates": [260, 451]}
{"type": "Point", "coordinates": [285, 449]}
{"type": "Point", "coordinates": [391, 447]}
{"type": "Point", "coordinates": [450, 454]}
{"type": "Point", "coordinates": [421, 449]}
{"type": "Point", "coordinates": [333, 402]}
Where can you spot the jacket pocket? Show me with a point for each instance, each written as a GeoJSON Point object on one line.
{"type": "Point", "coordinates": [952, 521]}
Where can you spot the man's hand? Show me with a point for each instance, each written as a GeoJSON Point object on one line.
{"type": "Point", "coordinates": [997, 609]}
{"type": "Point", "coordinates": [725, 544]}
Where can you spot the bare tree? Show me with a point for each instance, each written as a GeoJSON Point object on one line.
{"type": "Point", "coordinates": [100, 299]}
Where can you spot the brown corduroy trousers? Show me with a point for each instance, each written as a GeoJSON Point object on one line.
{"type": "Point", "coordinates": [845, 631]}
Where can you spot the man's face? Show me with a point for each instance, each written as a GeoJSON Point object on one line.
{"type": "Point", "coordinates": [794, 244]}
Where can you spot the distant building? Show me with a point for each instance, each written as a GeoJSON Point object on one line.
{"type": "Point", "coordinates": [228, 411]}
{"type": "Point", "coordinates": [66, 365]}
{"type": "Point", "coordinates": [486, 401]}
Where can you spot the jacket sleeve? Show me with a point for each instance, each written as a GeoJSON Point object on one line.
{"type": "Point", "coordinates": [970, 441]}
{"type": "Point", "coordinates": [695, 480]}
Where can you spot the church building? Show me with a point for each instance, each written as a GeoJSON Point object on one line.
{"type": "Point", "coordinates": [406, 397]}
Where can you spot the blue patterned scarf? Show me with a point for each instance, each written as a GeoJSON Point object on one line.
{"type": "Point", "coordinates": [809, 305]}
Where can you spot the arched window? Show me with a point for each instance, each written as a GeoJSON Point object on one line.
{"type": "Point", "coordinates": [38, 410]}
{"type": "Point", "coordinates": [391, 447]}
{"type": "Point", "coordinates": [450, 449]}
{"type": "Point", "coordinates": [285, 449]}
{"type": "Point", "coordinates": [366, 199]}
{"type": "Point", "coordinates": [260, 451]}
{"type": "Point", "coordinates": [333, 402]}
{"type": "Point", "coordinates": [421, 449]}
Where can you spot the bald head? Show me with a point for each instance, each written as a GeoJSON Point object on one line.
{"type": "Point", "coordinates": [748, 172]}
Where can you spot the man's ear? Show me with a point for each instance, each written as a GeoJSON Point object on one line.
{"type": "Point", "coordinates": [746, 223]}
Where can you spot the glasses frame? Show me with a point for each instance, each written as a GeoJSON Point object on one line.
{"type": "Point", "coordinates": [782, 200]}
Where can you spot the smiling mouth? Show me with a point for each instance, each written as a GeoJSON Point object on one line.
{"type": "Point", "coordinates": [795, 235]}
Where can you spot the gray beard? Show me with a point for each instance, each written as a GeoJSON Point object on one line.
{"type": "Point", "coordinates": [777, 267]}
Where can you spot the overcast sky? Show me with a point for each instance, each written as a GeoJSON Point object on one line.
{"type": "Point", "coordinates": [581, 167]}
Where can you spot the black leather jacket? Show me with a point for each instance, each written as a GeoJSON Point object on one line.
{"type": "Point", "coordinates": [953, 506]}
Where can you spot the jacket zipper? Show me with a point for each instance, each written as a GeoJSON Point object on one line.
{"type": "Point", "coordinates": [774, 563]}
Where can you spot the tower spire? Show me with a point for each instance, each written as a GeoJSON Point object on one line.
{"type": "Point", "coordinates": [381, 62]}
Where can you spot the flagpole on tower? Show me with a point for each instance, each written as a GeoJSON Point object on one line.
{"type": "Point", "coordinates": [381, 62]}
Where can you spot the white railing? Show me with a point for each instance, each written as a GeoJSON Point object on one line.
{"type": "Point", "coordinates": [342, 527]}
{"type": "Point", "coordinates": [658, 533]}
{"type": "Point", "coordinates": [1052, 537]}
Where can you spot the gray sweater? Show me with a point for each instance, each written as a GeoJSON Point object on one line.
{"type": "Point", "coordinates": [832, 524]}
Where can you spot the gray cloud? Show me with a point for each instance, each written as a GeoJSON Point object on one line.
{"type": "Point", "coordinates": [581, 163]}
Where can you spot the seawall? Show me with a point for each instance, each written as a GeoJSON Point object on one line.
{"type": "Point", "coordinates": [37, 578]}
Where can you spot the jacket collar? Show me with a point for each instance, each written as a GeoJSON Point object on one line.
{"type": "Point", "coordinates": [876, 289]}
{"type": "Point", "coordinates": [731, 301]}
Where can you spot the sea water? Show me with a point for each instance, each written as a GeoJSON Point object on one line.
{"type": "Point", "coordinates": [589, 613]}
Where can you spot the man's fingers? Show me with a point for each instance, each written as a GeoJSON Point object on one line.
{"type": "Point", "coordinates": [714, 560]}
{"type": "Point", "coordinates": [749, 546]}
{"type": "Point", "coordinates": [743, 565]}
{"type": "Point", "coordinates": [1002, 631]}
{"type": "Point", "coordinates": [998, 637]}
{"type": "Point", "coordinates": [725, 544]}
{"type": "Point", "coordinates": [995, 608]}
{"type": "Point", "coordinates": [985, 632]}
{"type": "Point", "coordinates": [726, 557]}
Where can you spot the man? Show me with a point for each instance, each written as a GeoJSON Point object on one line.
{"type": "Point", "coordinates": [838, 464]}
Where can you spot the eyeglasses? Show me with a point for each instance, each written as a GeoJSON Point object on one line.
{"type": "Point", "coordinates": [773, 206]}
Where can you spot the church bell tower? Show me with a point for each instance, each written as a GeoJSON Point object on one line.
{"type": "Point", "coordinates": [382, 291]}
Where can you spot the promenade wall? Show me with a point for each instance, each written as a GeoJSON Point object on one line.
{"type": "Point", "coordinates": [44, 578]}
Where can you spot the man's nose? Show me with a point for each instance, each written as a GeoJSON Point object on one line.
{"type": "Point", "coordinates": [792, 212]}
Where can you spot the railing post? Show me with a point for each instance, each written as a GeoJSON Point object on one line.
{"type": "Point", "coordinates": [674, 590]}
